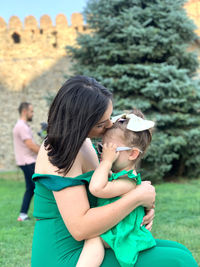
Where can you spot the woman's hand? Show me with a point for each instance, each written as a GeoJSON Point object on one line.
{"type": "Point", "coordinates": [148, 219]}
{"type": "Point", "coordinates": [147, 195]}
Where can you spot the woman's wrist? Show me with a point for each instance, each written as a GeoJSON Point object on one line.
{"type": "Point", "coordinates": [135, 196]}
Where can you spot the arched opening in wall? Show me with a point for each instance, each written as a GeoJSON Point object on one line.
{"type": "Point", "coordinates": [84, 28]}
{"type": "Point", "coordinates": [41, 31]}
{"type": "Point", "coordinates": [16, 38]}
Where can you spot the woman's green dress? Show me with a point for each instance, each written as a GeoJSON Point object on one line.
{"type": "Point", "coordinates": [53, 245]}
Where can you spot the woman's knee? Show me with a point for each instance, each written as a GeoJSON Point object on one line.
{"type": "Point", "coordinates": [172, 244]}
{"type": "Point", "coordinates": [165, 257]}
{"type": "Point", "coordinates": [183, 257]}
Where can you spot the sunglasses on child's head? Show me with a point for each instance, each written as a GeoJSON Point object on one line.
{"type": "Point", "coordinates": [118, 149]}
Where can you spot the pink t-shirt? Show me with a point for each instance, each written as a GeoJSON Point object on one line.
{"type": "Point", "coordinates": [23, 154]}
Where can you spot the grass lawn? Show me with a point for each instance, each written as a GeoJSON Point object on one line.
{"type": "Point", "coordinates": [177, 218]}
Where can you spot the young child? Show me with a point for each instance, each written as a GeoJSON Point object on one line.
{"type": "Point", "coordinates": [123, 146]}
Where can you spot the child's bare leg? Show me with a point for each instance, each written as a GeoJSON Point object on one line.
{"type": "Point", "coordinates": [92, 254]}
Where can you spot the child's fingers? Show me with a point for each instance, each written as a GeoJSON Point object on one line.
{"type": "Point", "coordinates": [117, 155]}
{"type": "Point", "coordinates": [109, 152]}
{"type": "Point", "coordinates": [104, 145]}
{"type": "Point", "coordinates": [110, 146]}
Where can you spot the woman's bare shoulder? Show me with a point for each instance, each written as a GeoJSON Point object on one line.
{"type": "Point", "coordinates": [43, 165]}
{"type": "Point", "coordinates": [86, 160]}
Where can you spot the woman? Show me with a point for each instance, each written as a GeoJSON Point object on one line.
{"type": "Point", "coordinates": [65, 210]}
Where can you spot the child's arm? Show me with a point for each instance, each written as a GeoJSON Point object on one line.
{"type": "Point", "coordinates": [92, 253]}
{"type": "Point", "coordinates": [99, 184]}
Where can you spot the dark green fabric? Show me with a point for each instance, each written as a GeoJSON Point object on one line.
{"type": "Point", "coordinates": [166, 254]}
{"type": "Point", "coordinates": [56, 182]}
{"type": "Point", "coordinates": [53, 245]}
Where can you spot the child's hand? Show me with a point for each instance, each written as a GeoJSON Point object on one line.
{"type": "Point", "coordinates": [109, 152]}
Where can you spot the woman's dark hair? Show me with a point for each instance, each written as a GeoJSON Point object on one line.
{"type": "Point", "coordinates": [78, 106]}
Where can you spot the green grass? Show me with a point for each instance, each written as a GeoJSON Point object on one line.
{"type": "Point", "coordinates": [15, 237]}
{"type": "Point", "coordinates": [178, 214]}
{"type": "Point", "coordinates": [177, 218]}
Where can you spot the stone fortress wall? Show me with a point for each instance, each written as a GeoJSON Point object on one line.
{"type": "Point", "coordinates": [33, 64]}
{"type": "Point", "coordinates": [32, 42]}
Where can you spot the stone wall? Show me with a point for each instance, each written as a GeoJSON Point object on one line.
{"type": "Point", "coordinates": [33, 64]}
{"type": "Point", "coordinates": [35, 92]}
{"type": "Point", "coordinates": [26, 51]}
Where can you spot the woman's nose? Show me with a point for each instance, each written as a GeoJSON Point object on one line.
{"type": "Point", "coordinates": [109, 124]}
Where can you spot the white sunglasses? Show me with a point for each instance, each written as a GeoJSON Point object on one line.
{"type": "Point", "coordinates": [118, 149]}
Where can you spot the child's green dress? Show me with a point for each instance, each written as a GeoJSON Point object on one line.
{"type": "Point", "coordinates": [128, 238]}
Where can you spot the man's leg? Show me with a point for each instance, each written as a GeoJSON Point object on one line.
{"type": "Point", "coordinates": [28, 171]}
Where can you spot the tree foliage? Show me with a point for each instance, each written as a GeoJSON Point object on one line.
{"type": "Point", "coordinates": [139, 49]}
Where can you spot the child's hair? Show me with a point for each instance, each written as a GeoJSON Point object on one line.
{"type": "Point", "coordinates": [141, 139]}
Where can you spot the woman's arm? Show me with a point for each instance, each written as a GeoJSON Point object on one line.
{"type": "Point", "coordinates": [84, 222]}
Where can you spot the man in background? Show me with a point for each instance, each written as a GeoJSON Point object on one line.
{"type": "Point", "coordinates": [25, 150]}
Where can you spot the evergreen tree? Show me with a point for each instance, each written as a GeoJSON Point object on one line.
{"type": "Point", "coordinates": [139, 50]}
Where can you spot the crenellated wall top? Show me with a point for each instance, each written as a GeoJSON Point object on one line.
{"type": "Point", "coordinates": [45, 22]}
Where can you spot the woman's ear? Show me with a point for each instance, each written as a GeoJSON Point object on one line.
{"type": "Point", "coordinates": [134, 154]}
